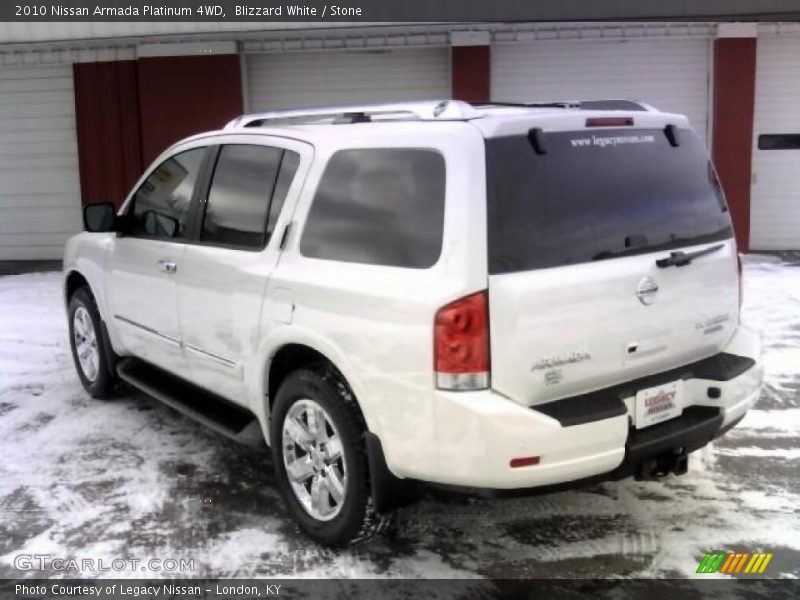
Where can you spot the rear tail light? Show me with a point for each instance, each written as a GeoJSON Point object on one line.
{"type": "Point", "coordinates": [461, 344]}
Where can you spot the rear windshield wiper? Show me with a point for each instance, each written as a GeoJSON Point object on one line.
{"type": "Point", "coordinates": [681, 259]}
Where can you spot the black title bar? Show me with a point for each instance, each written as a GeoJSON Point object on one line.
{"type": "Point", "coordinates": [338, 11]}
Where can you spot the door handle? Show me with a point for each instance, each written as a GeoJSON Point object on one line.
{"type": "Point", "coordinates": [168, 266]}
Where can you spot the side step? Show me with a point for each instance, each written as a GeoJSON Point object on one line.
{"type": "Point", "coordinates": [207, 408]}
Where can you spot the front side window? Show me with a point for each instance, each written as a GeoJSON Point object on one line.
{"type": "Point", "coordinates": [382, 206]}
{"type": "Point", "coordinates": [161, 204]}
{"type": "Point", "coordinates": [246, 194]}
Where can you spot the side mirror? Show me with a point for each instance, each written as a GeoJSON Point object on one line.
{"type": "Point", "coordinates": [159, 225]}
{"type": "Point", "coordinates": [99, 217]}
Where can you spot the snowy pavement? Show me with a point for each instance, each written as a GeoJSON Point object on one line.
{"type": "Point", "coordinates": [132, 479]}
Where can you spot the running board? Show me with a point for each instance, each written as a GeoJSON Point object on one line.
{"type": "Point", "coordinates": [213, 411]}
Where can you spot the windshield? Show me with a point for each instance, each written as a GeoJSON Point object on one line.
{"type": "Point", "coordinates": [595, 195]}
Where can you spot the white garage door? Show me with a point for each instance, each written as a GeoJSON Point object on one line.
{"type": "Point", "coordinates": [308, 79]}
{"type": "Point", "coordinates": [40, 203]}
{"type": "Point", "coordinates": [775, 193]}
{"type": "Point", "coordinates": [672, 75]}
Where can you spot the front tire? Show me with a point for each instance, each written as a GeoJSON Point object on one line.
{"type": "Point", "coordinates": [316, 435]}
{"type": "Point", "coordinates": [86, 336]}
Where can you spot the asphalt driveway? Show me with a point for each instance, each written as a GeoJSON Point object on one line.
{"type": "Point", "coordinates": [130, 478]}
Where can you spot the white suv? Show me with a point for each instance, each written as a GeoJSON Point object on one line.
{"type": "Point", "coordinates": [485, 297]}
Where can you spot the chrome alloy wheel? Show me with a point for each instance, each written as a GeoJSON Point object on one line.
{"type": "Point", "coordinates": [313, 457]}
{"type": "Point", "coordinates": [85, 339]}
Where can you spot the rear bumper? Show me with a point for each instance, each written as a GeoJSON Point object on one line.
{"type": "Point", "coordinates": [477, 434]}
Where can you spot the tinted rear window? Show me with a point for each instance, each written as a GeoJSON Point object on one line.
{"type": "Point", "coordinates": [380, 206]}
{"type": "Point", "coordinates": [597, 195]}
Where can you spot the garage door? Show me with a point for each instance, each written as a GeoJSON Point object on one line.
{"type": "Point", "coordinates": [40, 203]}
{"type": "Point", "coordinates": [775, 193]}
{"type": "Point", "coordinates": [672, 75]}
{"type": "Point", "coordinates": [327, 78]}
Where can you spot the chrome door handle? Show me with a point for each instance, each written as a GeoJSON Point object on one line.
{"type": "Point", "coordinates": [168, 266]}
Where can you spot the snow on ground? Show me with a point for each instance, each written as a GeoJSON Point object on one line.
{"type": "Point", "coordinates": [129, 478]}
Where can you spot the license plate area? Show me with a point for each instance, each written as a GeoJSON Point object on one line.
{"type": "Point", "coordinates": [658, 404]}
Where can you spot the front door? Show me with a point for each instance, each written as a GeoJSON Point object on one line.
{"type": "Point", "coordinates": [146, 259]}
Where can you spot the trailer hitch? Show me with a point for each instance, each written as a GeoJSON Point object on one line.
{"type": "Point", "coordinates": [675, 461]}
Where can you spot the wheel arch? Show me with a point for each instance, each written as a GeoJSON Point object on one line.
{"type": "Point", "coordinates": [387, 490]}
{"type": "Point", "coordinates": [84, 265]}
{"type": "Point", "coordinates": [288, 358]}
{"type": "Point", "coordinates": [73, 281]}
{"type": "Point", "coordinates": [292, 348]}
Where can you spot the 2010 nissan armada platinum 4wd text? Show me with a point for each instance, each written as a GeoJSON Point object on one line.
{"type": "Point", "coordinates": [486, 297]}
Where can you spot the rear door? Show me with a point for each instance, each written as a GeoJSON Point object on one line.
{"type": "Point", "coordinates": [577, 301]}
{"type": "Point", "coordinates": [242, 213]}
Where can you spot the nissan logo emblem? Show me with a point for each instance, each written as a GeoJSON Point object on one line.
{"type": "Point", "coordinates": [646, 290]}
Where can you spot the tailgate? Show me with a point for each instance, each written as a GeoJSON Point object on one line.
{"type": "Point", "coordinates": [576, 299]}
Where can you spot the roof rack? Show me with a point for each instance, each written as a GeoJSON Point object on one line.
{"type": "Point", "coordinates": [546, 104]}
{"type": "Point", "coordinates": [606, 104]}
{"type": "Point", "coordinates": [430, 110]}
{"type": "Point", "coordinates": [434, 110]}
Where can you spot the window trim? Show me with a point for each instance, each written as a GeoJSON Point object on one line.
{"type": "Point", "coordinates": [203, 184]}
{"type": "Point", "coordinates": [302, 176]}
{"type": "Point", "coordinates": [130, 203]}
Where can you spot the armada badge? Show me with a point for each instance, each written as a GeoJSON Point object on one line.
{"type": "Point", "coordinates": [558, 361]}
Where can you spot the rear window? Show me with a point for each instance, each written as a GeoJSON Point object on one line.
{"type": "Point", "coordinates": [596, 195]}
{"type": "Point", "coordinates": [380, 206]}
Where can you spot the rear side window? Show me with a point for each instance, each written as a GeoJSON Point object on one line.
{"type": "Point", "coordinates": [596, 195]}
{"type": "Point", "coordinates": [381, 206]}
{"type": "Point", "coordinates": [246, 194]}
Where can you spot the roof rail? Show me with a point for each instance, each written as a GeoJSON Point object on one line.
{"type": "Point", "coordinates": [543, 104]}
{"type": "Point", "coordinates": [616, 104]}
{"type": "Point", "coordinates": [606, 104]}
{"type": "Point", "coordinates": [433, 110]}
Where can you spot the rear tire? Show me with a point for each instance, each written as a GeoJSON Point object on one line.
{"type": "Point", "coordinates": [317, 434]}
{"type": "Point", "coordinates": [87, 336]}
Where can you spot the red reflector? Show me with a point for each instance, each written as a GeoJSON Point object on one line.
{"type": "Point", "coordinates": [527, 461]}
{"type": "Point", "coordinates": [741, 283]}
{"type": "Point", "coordinates": [461, 340]}
{"type": "Point", "coordinates": [609, 121]}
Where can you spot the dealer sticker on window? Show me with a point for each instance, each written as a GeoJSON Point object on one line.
{"type": "Point", "coordinates": [657, 404]}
